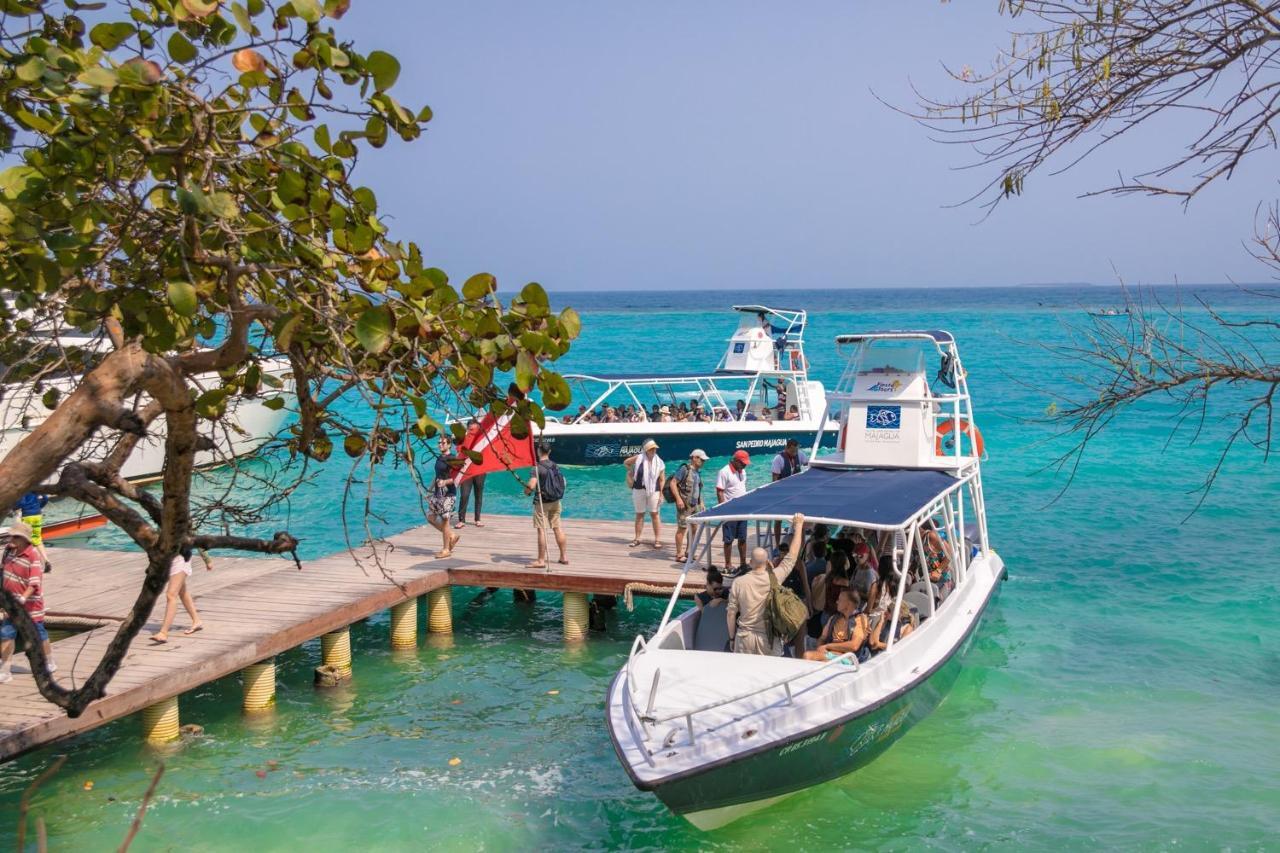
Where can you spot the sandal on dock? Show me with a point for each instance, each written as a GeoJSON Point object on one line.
{"type": "Point", "coordinates": [563, 561]}
{"type": "Point", "coordinates": [634, 543]}
{"type": "Point", "coordinates": [535, 565]}
{"type": "Point", "coordinates": [194, 629]}
{"type": "Point", "coordinates": [158, 640]}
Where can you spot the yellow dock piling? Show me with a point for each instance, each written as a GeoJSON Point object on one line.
{"type": "Point", "coordinates": [575, 615]}
{"type": "Point", "coordinates": [260, 685]}
{"type": "Point", "coordinates": [160, 721]}
{"type": "Point", "coordinates": [404, 624]}
{"type": "Point", "coordinates": [335, 649]}
{"type": "Point", "coordinates": [439, 611]}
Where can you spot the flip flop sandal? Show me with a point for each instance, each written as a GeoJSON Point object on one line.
{"type": "Point", "coordinates": [194, 629]}
{"type": "Point", "coordinates": [634, 544]}
{"type": "Point", "coordinates": [159, 642]}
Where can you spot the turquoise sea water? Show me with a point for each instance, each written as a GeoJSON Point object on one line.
{"type": "Point", "coordinates": [1122, 691]}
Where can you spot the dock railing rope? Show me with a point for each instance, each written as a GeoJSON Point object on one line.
{"type": "Point", "coordinates": [628, 597]}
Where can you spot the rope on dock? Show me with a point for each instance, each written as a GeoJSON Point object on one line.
{"type": "Point", "coordinates": [629, 599]}
{"type": "Point", "coordinates": [69, 622]}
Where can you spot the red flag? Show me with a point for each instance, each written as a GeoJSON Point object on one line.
{"type": "Point", "coordinates": [499, 450]}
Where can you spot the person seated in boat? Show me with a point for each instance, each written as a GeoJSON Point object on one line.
{"type": "Point", "coordinates": [714, 594]}
{"type": "Point", "coordinates": [749, 595]}
{"type": "Point", "coordinates": [848, 631]}
{"type": "Point", "coordinates": [880, 635]}
{"type": "Point", "coordinates": [664, 415]}
{"type": "Point", "coordinates": [939, 557]}
{"type": "Point", "coordinates": [882, 592]}
{"type": "Point", "coordinates": [792, 414]}
{"type": "Point", "coordinates": [826, 589]}
{"type": "Point", "coordinates": [740, 410]}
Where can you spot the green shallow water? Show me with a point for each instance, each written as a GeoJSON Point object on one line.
{"type": "Point", "coordinates": [1120, 693]}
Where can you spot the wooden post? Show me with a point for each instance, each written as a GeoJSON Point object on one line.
{"type": "Point", "coordinates": [260, 685]}
{"type": "Point", "coordinates": [575, 616]}
{"type": "Point", "coordinates": [404, 624]}
{"type": "Point", "coordinates": [160, 721]}
{"type": "Point", "coordinates": [335, 658]}
{"type": "Point", "coordinates": [439, 610]}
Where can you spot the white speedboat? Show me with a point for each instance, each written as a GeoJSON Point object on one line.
{"type": "Point", "coordinates": [756, 398]}
{"type": "Point", "coordinates": [716, 735]}
{"type": "Point", "coordinates": [250, 421]}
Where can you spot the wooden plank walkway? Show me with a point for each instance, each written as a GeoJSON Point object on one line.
{"type": "Point", "coordinates": [255, 608]}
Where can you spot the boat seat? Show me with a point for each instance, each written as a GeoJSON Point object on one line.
{"type": "Point", "coordinates": [921, 601]}
{"type": "Point", "coordinates": [712, 632]}
{"type": "Point", "coordinates": [920, 586]}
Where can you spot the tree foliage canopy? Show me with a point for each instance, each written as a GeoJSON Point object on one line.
{"type": "Point", "coordinates": [178, 184]}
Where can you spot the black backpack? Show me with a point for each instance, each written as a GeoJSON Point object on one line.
{"type": "Point", "coordinates": [550, 481]}
{"type": "Point", "coordinates": [681, 475]}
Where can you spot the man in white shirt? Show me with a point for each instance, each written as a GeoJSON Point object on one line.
{"type": "Point", "coordinates": [732, 483]}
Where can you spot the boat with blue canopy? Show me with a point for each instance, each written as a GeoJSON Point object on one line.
{"type": "Point", "coordinates": [756, 398]}
{"type": "Point", "coordinates": [716, 734]}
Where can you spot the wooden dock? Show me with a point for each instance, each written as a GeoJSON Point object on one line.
{"type": "Point", "coordinates": [255, 608]}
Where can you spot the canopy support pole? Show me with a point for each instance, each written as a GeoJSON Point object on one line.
{"type": "Point", "coordinates": [902, 586]}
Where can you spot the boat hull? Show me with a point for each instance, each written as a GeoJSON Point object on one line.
{"type": "Point", "coordinates": [609, 449]}
{"type": "Point", "coordinates": [721, 792]}
{"type": "Point", "coordinates": [737, 788]}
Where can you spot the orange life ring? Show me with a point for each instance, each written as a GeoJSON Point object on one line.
{"type": "Point", "coordinates": [948, 426]}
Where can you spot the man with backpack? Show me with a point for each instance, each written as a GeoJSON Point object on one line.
{"type": "Point", "coordinates": [547, 487]}
{"type": "Point", "coordinates": [757, 603]}
{"type": "Point", "coordinates": [685, 491]}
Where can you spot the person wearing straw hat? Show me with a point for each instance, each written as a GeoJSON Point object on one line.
{"type": "Point", "coordinates": [23, 569]}
{"type": "Point", "coordinates": [646, 472]}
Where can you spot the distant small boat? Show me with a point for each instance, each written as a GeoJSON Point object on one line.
{"type": "Point", "coordinates": [1110, 312]}
{"type": "Point", "coordinates": [73, 528]}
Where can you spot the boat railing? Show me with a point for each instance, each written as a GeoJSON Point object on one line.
{"type": "Point", "coordinates": [648, 719]}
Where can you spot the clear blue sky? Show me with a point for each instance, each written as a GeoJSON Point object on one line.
{"type": "Point", "coordinates": [672, 145]}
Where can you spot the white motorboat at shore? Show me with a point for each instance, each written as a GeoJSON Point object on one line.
{"type": "Point", "coordinates": [756, 398]}
{"type": "Point", "coordinates": [716, 735]}
{"type": "Point", "coordinates": [250, 423]}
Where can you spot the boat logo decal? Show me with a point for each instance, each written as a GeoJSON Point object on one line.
{"type": "Point", "coordinates": [602, 451]}
{"type": "Point", "coordinates": [895, 385]}
{"type": "Point", "coordinates": [880, 731]}
{"type": "Point", "coordinates": [884, 417]}
{"type": "Point", "coordinates": [800, 744]}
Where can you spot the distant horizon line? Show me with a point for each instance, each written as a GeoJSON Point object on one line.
{"type": "Point", "coordinates": [1021, 286]}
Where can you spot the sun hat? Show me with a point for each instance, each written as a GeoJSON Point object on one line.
{"type": "Point", "coordinates": [648, 442]}
{"type": "Point", "coordinates": [21, 528]}
{"type": "Point", "coordinates": [743, 456]}
{"type": "Point", "coordinates": [699, 454]}
{"type": "Point", "coordinates": [664, 411]}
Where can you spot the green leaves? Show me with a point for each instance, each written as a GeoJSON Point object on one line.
{"type": "Point", "coordinates": [526, 371]}
{"type": "Point", "coordinates": [555, 391]}
{"type": "Point", "coordinates": [99, 77]}
{"type": "Point", "coordinates": [373, 329]}
{"type": "Point", "coordinates": [307, 10]}
{"type": "Point", "coordinates": [479, 286]}
{"type": "Point", "coordinates": [384, 68]}
{"type": "Point", "coordinates": [182, 298]}
{"type": "Point", "coordinates": [181, 49]}
{"type": "Point", "coordinates": [570, 323]}
{"type": "Point", "coordinates": [110, 36]}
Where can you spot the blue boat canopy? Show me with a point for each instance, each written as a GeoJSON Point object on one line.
{"type": "Point", "coordinates": [874, 497]}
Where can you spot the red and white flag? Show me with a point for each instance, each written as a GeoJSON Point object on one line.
{"type": "Point", "coordinates": [499, 450]}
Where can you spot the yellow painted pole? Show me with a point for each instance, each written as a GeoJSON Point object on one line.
{"type": "Point", "coordinates": [404, 624]}
{"type": "Point", "coordinates": [575, 615]}
{"type": "Point", "coordinates": [335, 650]}
{"type": "Point", "coordinates": [260, 685]}
{"type": "Point", "coordinates": [160, 721]}
{"type": "Point", "coordinates": [439, 614]}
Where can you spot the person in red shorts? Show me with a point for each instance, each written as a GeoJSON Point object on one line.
{"type": "Point", "coordinates": [23, 570]}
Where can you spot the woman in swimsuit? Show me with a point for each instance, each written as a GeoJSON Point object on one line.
{"type": "Point", "coordinates": [846, 632]}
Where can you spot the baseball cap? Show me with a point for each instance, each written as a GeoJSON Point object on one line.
{"type": "Point", "coordinates": [699, 454]}
{"type": "Point", "coordinates": [743, 456]}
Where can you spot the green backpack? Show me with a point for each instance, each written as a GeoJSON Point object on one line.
{"type": "Point", "coordinates": [784, 611]}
